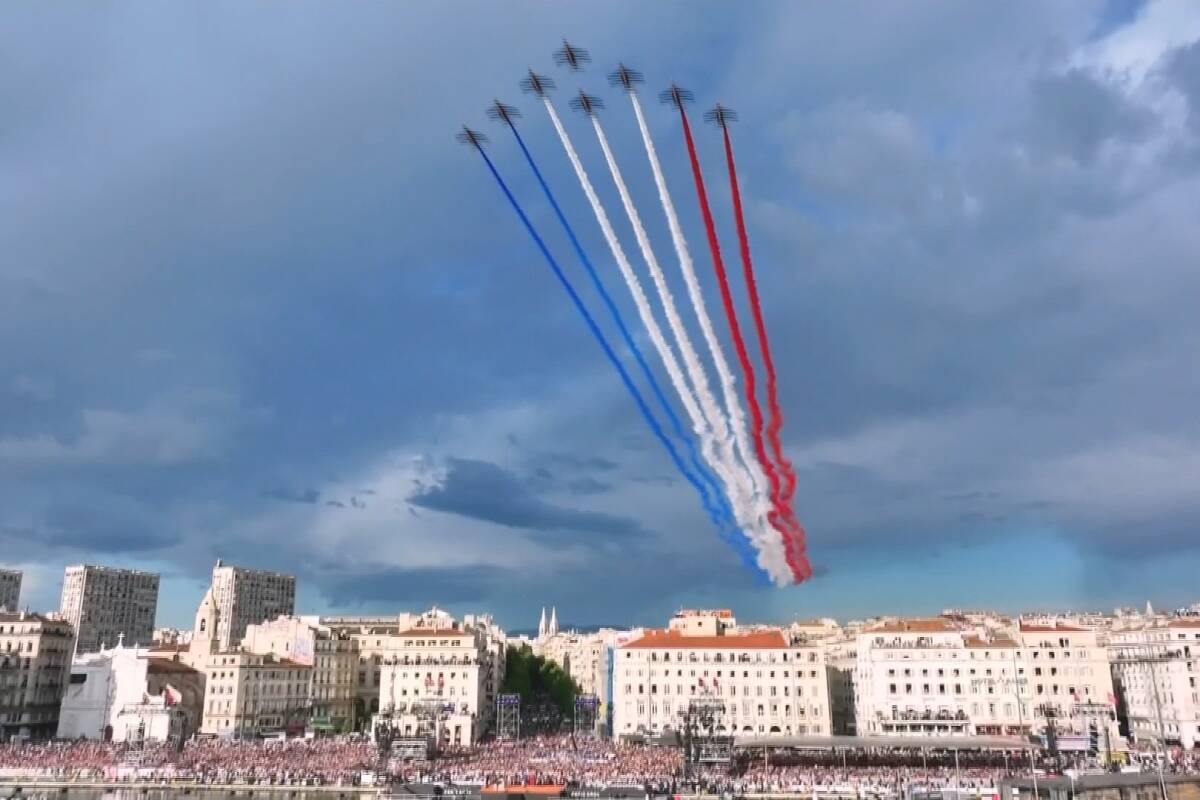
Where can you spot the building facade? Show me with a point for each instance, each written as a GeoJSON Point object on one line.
{"type": "Point", "coordinates": [375, 640]}
{"type": "Point", "coordinates": [440, 678]}
{"type": "Point", "coordinates": [35, 653]}
{"type": "Point", "coordinates": [333, 656]}
{"type": "Point", "coordinates": [1155, 669]}
{"type": "Point", "coordinates": [247, 695]}
{"type": "Point", "coordinates": [10, 589]}
{"type": "Point", "coordinates": [125, 694]}
{"type": "Point", "coordinates": [760, 683]}
{"type": "Point", "coordinates": [579, 654]}
{"type": "Point", "coordinates": [248, 596]}
{"type": "Point", "coordinates": [102, 603]}
{"type": "Point", "coordinates": [942, 677]}
{"type": "Point", "coordinates": [841, 662]}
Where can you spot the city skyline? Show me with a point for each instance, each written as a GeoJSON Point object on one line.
{"type": "Point", "coordinates": [269, 312]}
{"type": "Point", "coordinates": [520, 625]}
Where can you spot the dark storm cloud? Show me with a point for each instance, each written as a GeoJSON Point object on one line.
{"type": "Point", "coordinates": [1074, 114]}
{"type": "Point", "coordinates": [637, 593]}
{"type": "Point", "coordinates": [488, 492]}
{"type": "Point", "coordinates": [976, 265]}
{"type": "Point", "coordinates": [308, 496]}
{"type": "Point", "coordinates": [1183, 69]}
{"type": "Point", "coordinates": [397, 587]}
{"type": "Point", "coordinates": [118, 529]}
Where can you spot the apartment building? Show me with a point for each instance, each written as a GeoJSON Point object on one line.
{"type": "Point", "coordinates": [758, 683]}
{"type": "Point", "coordinates": [333, 656]}
{"type": "Point", "coordinates": [103, 603]}
{"type": "Point", "coordinates": [1155, 669]}
{"type": "Point", "coordinates": [246, 596]}
{"type": "Point", "coordinates": [248, 695]}
{"type": "Point", "coordinates": [35, 653]}
{"type": "Point", "coordinates": [940, 676]}
{"type": "Point", "coordinates": [10, 589]}
{"type": "Point", "coordinates": [441, 675]}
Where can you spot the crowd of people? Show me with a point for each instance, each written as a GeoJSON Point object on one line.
{"type": "Point", "coordinates": [299, 762]}
{"type": "Point", "coordinates": [581, 763]}
{"type": "Point", "coordinates": [560, 760]}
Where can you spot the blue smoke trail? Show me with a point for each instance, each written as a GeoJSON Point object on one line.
{"type": "Point", "coordinates": [719, 512]}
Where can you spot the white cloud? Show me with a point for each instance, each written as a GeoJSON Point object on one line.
{"type": "Point", "coordinates": [1134, 49]}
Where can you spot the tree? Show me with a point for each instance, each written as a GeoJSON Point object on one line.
{"type": "Point", "coordinates": [547, 691]}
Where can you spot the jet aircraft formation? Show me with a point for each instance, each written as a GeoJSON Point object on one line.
{"type": "Point", "coordinates": [735, 464]}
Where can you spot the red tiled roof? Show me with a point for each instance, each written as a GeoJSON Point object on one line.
{"type": "Point", "coordinates": [979, 641]}
{"type": "Point", "coordinates": [762, 640]}
{"type": "Point", "coordinates": [933, 625]}
{"type": "Point", "coordinates": [166, 665]}
{"type": "Point", "coordinates": [1028, 627]}
{"type": "Point", "coordinates": [1183, 623]}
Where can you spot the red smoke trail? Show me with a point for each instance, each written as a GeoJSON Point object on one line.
{"type": "Point", "coordinates": [776, 423]}
{"type": "Point", "coordinates": [779, 519]}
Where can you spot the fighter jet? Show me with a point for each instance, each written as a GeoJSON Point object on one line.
{"type": "Point", "coordinates": [720, 115]}
{"type": "Point", "coordinates": [473, 138]}
{"type": "Point", "coordinates": [502, 112]}
{"type": "Point", "coordinates": [588, 104]}
{"type": "Point", "coordinates": [571, 57]}
{"type": "Point", "coordinates": [536, 84]}
{"type": "Point", "coordinates": [625, 77]}
{"type": "Point", "coordinates": [676, 96]}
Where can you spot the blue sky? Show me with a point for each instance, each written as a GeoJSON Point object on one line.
{"type": "Point", "coordinates": [256, 303]}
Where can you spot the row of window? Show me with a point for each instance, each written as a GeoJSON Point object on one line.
{"type": "Point", "coordinates": [732, 658]}
{"type": "Point", "coordinates": [666, 673]}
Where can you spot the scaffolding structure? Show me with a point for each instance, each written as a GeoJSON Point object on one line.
{"type": "Point", "coordinates": [508, 716]}
{"type": "Point", "coordinates": [587, 707]}
{"type": "Point", "coordinates": [702, 718]}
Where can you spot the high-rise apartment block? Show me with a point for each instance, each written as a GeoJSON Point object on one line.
{"type": "Point", "coordinates": [244, 597]}
{"type": "Point", "coordinates": [104, 604]}
{"type": "Point", "coordinates": [10, 589]}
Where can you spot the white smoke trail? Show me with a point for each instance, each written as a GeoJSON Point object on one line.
{"type": "Point", "coordinates": [656, 336]}
{"type": "Point", "coordinates": [719, 453]}
{"type": "Point", "coordinates": [737, 416]}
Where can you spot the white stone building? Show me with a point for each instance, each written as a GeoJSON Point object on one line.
{"type": "Point", "coordinates": [940, 677]}
{"type": "Point", "coordinates": [248, 695]}
{"type": "Point", "coordinates": [1155, 669]}
{"type": "Point", "coordinates": [124, 693]}
{"type": "Point", "coordinates": [246, 596]}
{"type": "Point", "coordinates": [102, 603]}
{"type": "Point", "coordinates": [333, 656]}
{"type": "Point", "coordinates": [35, 652]}
{"type": "Point", "coordinates": [374, 638]}
{"type": "Point", "coordinates": [442, 674]}
{"type": "Point", "coordinates": [10, 589]}
{"type": "Point", "coordinates": [766, 683]}
{"type": "Point", "coordinates": [579, 654]}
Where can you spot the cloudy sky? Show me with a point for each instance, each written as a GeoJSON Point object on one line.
{"type": "Point", "coordinates": [256, 304]}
